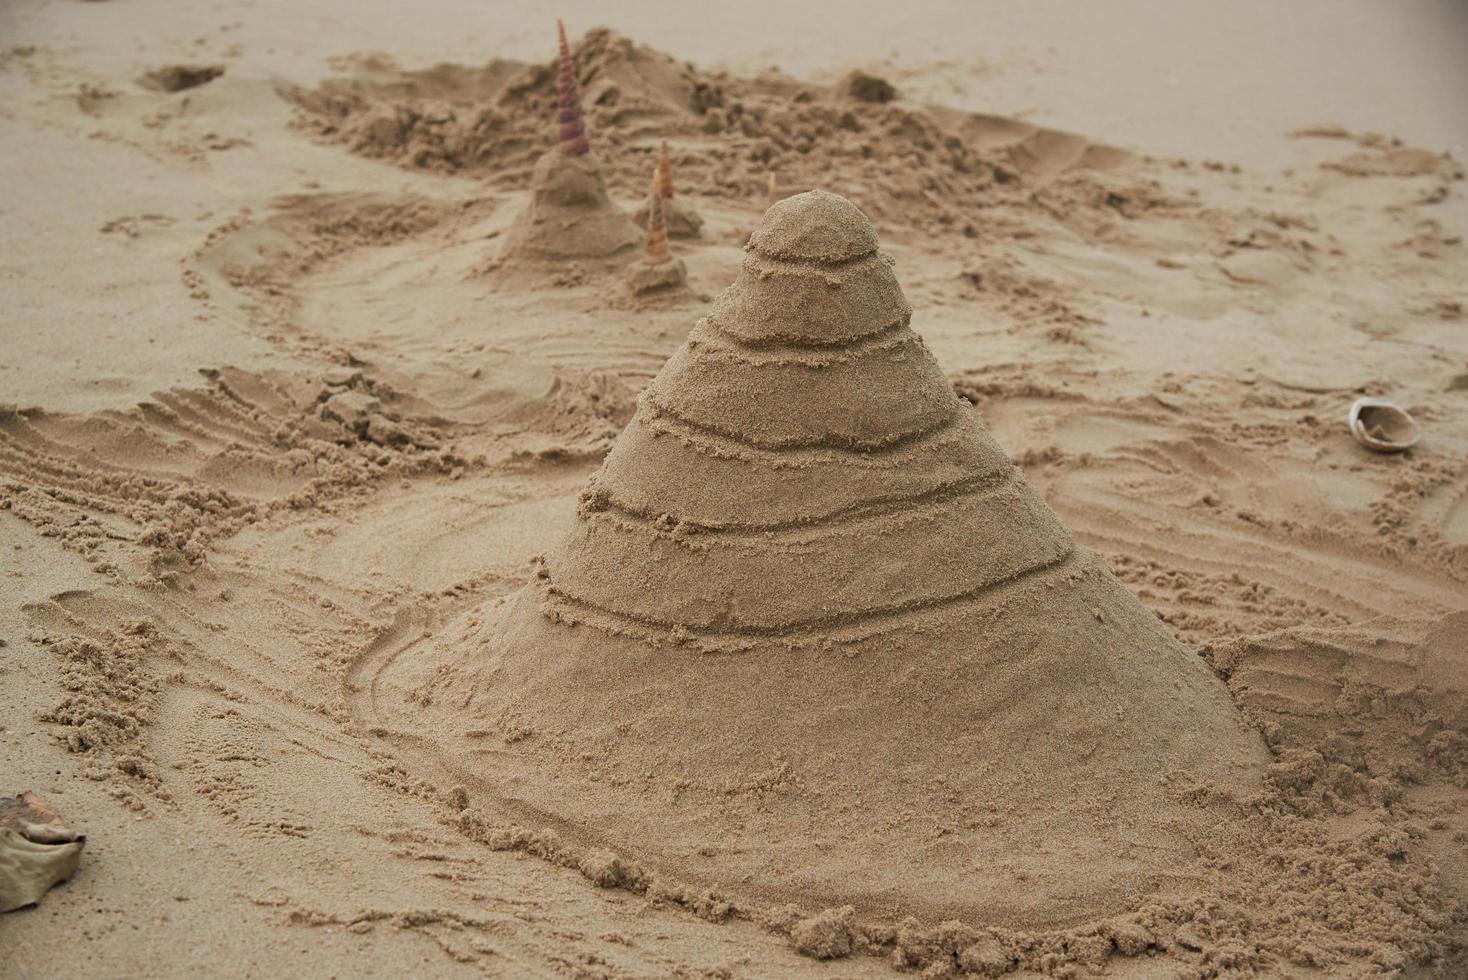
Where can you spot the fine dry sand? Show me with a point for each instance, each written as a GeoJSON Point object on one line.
{"type": "Point", "coordinates": [982, 582]}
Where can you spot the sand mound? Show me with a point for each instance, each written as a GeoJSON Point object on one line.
{"type": "Point", "coordinates": [570, 215]}
{"type": "Point", "coordinates": [683, 220]}
{"type": "Point", "coordinates": [913, 165]}
{"type": "Point", "coordinates": [813, 634]}
{"type": "Point", "coordinates": [177, 78]}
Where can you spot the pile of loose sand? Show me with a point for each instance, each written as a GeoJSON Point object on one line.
{"type": "Point", "coordinates": [926, 166]}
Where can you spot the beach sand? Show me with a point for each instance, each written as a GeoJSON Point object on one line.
{"type": "Point", "coordinates": [287, 423]}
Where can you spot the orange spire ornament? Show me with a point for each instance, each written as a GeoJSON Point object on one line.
{"type": "Point", "coordinates": [657, 272]}
{"type": "Point", "coordinates": [568, 93]}
{"type": "Point", "coordinates": [663, 182]}
{"type": "Point", "coordinates": [679, 220]}
{"type": "Point", "coordinates": [657, 220]}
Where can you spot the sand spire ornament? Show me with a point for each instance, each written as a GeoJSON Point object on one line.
{"type": "Point", "coordinates": [657, 221]}
{"type": "Point", "coordinates": [568, 94]}
{"type": "Point", "coordinates": [812, 638]}
{"type": "Point", "coordinates": [658, 270]}
{"type": "Point", "coordinates": [569, 215]}
{"type": "Point", "coordinates": [664, 186]}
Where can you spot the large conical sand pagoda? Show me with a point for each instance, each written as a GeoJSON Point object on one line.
{"type": "Point", "coordinates": [813, 638]}
{"type": "Point", "coordinates": [570, 215]}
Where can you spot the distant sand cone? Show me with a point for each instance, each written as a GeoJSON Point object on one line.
{"type": "Point", "coordinates": [658, 270]}
{"type": "Point", "coordinates": [568, 93]}
{"type": "Point", "coordinates": [772, 191]}
{"type": "Point", "coordinates": [570, 215]}
{"type": "Point", "coordinates": [681, 220]}
{"type": "Point", "coordinates": [814, 639]}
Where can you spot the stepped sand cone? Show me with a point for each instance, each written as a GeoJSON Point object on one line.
{"type": "Point", "coordinates": [570, 215]}
{"type": "Point", "coordinates": [658, 270]}
{"type": "Point", "coordinates": [682, 221]}
{"type": "Point", "coordinates": [814, 639]}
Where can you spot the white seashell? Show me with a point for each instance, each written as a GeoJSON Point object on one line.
{"type": "Point", "coordinates": [1381, 426]}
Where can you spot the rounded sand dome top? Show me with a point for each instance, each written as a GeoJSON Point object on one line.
{"type": "Point", "coordinates": [816, 226]}
{"type": "Point", "coordinates": [812, 278]}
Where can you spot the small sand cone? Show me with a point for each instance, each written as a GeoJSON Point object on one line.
{"type": "Point", "coordinates": [570, 215]}
{"type": "Point", "coordinates": [568, 93]}
{"type": "Point", "coordinates": [681, 220]}
{"type": "Point", "coordinates": [658, 269]}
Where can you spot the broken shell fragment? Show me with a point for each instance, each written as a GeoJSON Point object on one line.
{"type": "Point", "coordinates": [1382, 426]}
{"type": "Point", "coordinates": [37, 851]}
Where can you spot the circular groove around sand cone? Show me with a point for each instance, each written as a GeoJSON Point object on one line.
{"type": "Point", "coordinates": [814, 639]}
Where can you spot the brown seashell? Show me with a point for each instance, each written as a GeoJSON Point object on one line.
{"type": "Point", "coordinates": [1382, 426]}
{"type": "Point", "coordinates": [568, 93]}
{"type": "Point", "coordinates": [665, 173]}
{"type": "Point", "coordinates": [657, 221]}
{"type": "Point", "coordinates": [37, 850]}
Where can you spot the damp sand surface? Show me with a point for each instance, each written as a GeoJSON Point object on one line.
{"type": "Point", "coordinates": [278, 432]}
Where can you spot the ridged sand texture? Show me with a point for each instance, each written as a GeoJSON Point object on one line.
{"type": "Point", "coordinates": [568, 97]}
{"type": "Point", "coordinates": [570, 215]}
{"type": "Point", "coordinates": [813, 637]}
